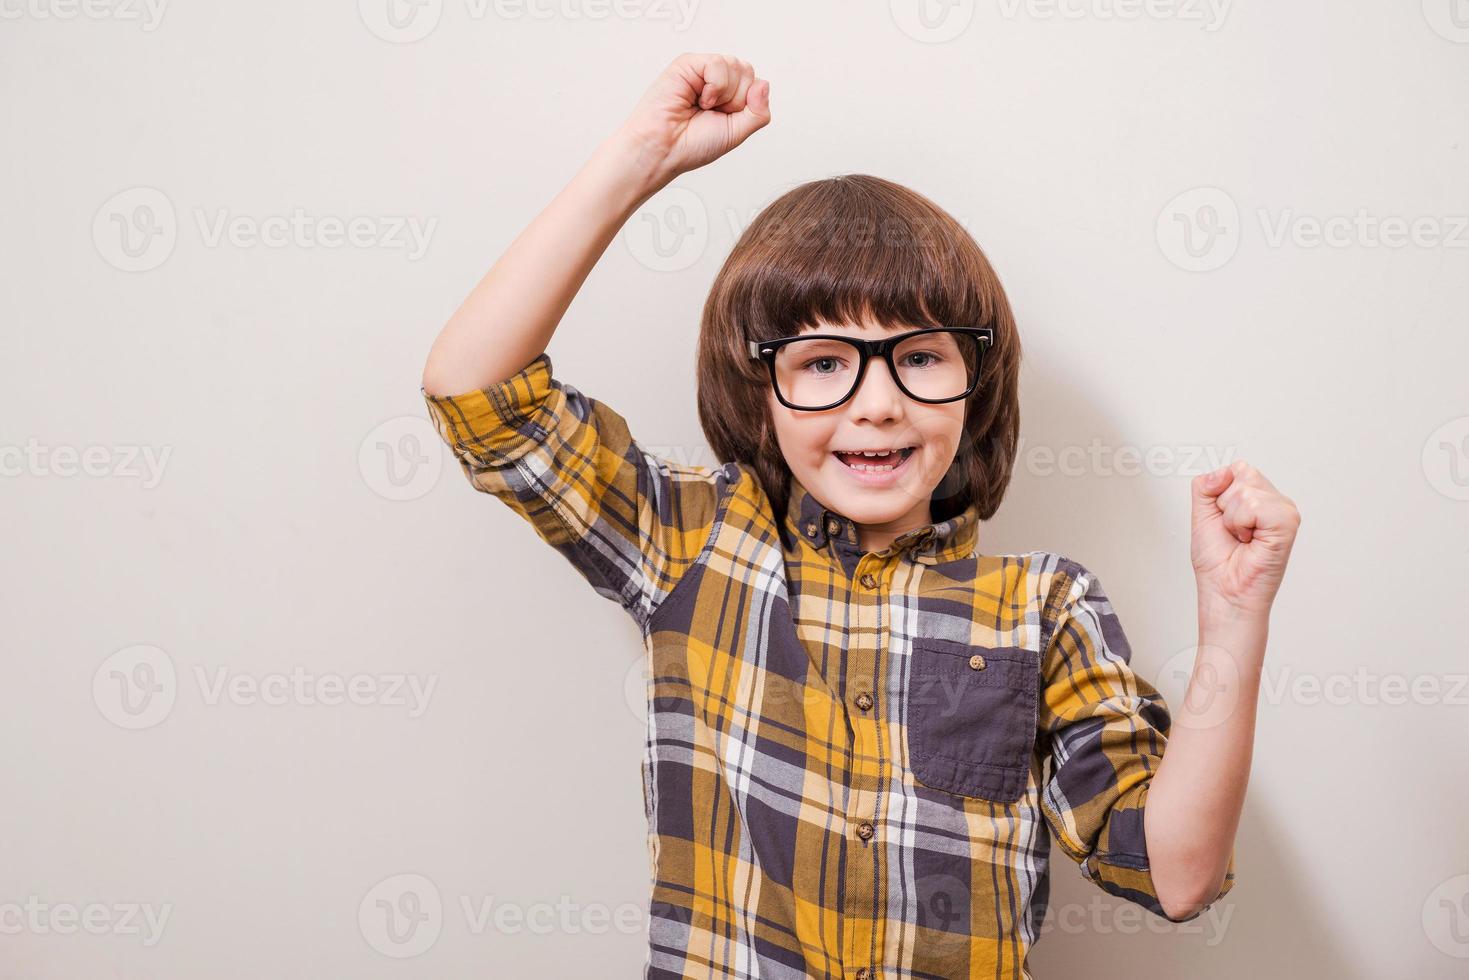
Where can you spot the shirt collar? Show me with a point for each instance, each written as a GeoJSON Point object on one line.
{"type": "Point", "coordinates": [809, 519]}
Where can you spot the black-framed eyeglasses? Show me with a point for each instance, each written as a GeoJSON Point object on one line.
{"type": "Point", "coordinates": [814, 372]}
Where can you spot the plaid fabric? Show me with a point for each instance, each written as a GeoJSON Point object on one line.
{"type": "Point", "coordinates": [855, 761]}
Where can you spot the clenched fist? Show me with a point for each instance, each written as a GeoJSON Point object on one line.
{"type": "Point", "coordinates": [700, 107]}
{"type": "Point", "coordinates": [1243, 529]}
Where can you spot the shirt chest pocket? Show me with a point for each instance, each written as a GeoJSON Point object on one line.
{"type": "Point", "coordinates": [971, 717]}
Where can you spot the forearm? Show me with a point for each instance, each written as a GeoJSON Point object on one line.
{"type": "Point", "coordinates": [1195, 798]}
{"type": "Point", "coordinates": [509, 317]}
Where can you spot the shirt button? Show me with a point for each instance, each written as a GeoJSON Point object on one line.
{"type": "Point", "coordinates": [865, 830]}
{"type": "Point", "coordinates": [864, 701]}
{"type": "Point", "coordinates": [833, 527]}
{"type": "Point", "coordinates": [868, 581]}
{"type": "Point", "coordinates": [864, 974]}
{"type": "Point", "coordinates": [811, 529]}
{"type": "Point", "coordinates": [977, 662]}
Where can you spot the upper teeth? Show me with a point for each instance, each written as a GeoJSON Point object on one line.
{"type": "Point", "coordinates": [870, 452]}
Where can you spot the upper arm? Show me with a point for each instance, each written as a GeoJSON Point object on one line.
{"type": "Point", "coordinates": [629, 522]}
{"type": "Point", "coordinates": [1106, 728]}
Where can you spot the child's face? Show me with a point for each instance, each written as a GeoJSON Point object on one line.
{"type": "Point", "coordinates": [878, 416]}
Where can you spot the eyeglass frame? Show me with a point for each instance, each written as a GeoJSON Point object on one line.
{"type": "Point", "coordinates": [866, 350]}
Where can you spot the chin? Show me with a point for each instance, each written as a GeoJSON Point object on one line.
{"type": "Point", "coordinates": [871, 506]}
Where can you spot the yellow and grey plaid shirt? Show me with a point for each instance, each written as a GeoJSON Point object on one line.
{"type": "Point", "coordinates": [855, 760]}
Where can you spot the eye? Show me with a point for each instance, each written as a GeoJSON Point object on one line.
{"type": "Point", "coordinates": [937, 358]}
{"type": "Point", "coordinates": [821, 360]}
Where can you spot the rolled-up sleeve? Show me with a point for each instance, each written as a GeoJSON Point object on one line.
{"type": "Point", "coordinates": [1106, 728]}
{"type": "Point", "coordinates": [630, 522]}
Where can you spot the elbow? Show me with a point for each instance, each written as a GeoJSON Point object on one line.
{"type": "Point", "coordinates": [1185, 900]}
{"type": "Point", "coordinates": [1175, 912]}
{"type": "Point", "coordinates": [436, 380]}
{"type": "Point", "coordinates": [444, 374]}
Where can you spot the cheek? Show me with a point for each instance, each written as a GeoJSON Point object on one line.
{"type": "Point", "coordinates": [802, 436]}
{"type": "Point", "coordinates": [945, 431]}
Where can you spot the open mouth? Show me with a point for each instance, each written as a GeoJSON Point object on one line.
{"type": "Point", "coordinates": [875, 462]}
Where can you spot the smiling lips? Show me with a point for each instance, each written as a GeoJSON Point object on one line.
{"type": "Point", "coordinates": [876, 462]}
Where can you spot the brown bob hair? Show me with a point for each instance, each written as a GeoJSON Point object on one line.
{"type": "Point", "coordinates": [848, 249]}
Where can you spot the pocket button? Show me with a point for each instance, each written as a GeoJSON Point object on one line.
{"type": "Point", "coordinates": [977, 662]}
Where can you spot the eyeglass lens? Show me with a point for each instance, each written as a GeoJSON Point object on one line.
{"type": "Point", "coordinates": [816, 373]}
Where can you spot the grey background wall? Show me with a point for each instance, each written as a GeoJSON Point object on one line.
{"type": "Point", "coordinates": [271, 667]}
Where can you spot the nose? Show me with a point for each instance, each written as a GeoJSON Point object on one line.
{"type": "Point", "coordinates": [878, 397]}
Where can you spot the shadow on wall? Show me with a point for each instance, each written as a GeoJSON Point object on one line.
{"type": "Point", "coordinates": [1132, 533]}
{"type": "Point", "coordinates": [1269, 925]}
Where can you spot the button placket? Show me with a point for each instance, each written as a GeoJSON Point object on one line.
{"type": "Point", "coordinates": [864, 670]}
